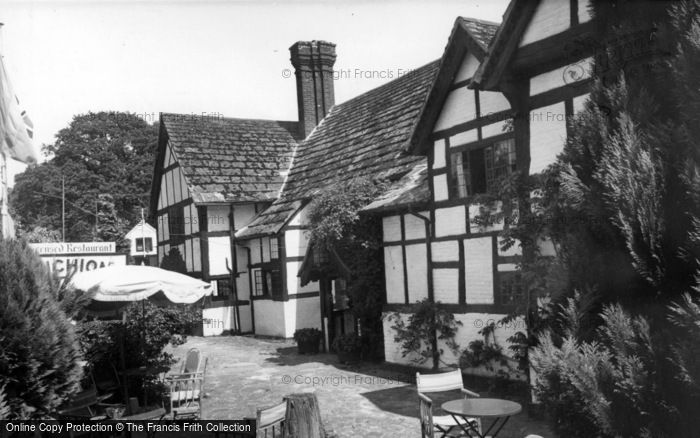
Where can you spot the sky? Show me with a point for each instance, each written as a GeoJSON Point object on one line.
{"type": "Point", "coordinates": [218, 58]}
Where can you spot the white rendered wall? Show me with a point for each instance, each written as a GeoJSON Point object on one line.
{"type": "Point", "coordinates": [468, 68]}
{"type": "Point", "coordinates": [391, 228]}
{"type": "Point", "coordinates": [219, 254]}
{"type": "Point", "coordinates": [270, 318]}
{"type": "Point", "coordinates": [450, 221]}
{"type": "Point", "coordinates": [478, 270]}
{"type": "Point", "coordinates": [301, 313]}
{"type": "Point", "coordinates": [393, 274]}
{"type": "Point", "coordinates": [467, 332]}
{"type": "Point", "coordinates": [417, 271]}
{"type": "Point", "coordinates": [547, 135]}
{"type": "Point", "coordinates": [550, 18]}
{"type": "Point", "coordinates": [459, 107]}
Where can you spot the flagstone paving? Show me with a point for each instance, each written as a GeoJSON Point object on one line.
{"type": "Point", "coordinates": [369, 400]}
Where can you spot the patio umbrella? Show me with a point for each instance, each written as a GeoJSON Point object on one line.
{"type": "Point", "coordinates": [113, 287]}
{"type": "Point", "coordinates": [120, 284]}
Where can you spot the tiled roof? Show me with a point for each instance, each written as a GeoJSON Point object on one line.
{"type": "Point", "coordinates": [482, 31]}
{"type": "Point", "coordinates": [231, 160]}
{"type": "Point", "coordinates": [411, 191]}
{"type": "Point", "coordinates": [361, 137]}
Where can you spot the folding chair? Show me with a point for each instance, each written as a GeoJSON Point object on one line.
{"type": "Point", "coordinates": [444, 425]}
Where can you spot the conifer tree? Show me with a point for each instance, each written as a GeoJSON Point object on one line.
{"type": "Point", "coordinates": [38, 358]}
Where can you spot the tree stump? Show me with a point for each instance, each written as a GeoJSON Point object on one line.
{"type": "Point", "coordinates": [303, 417]}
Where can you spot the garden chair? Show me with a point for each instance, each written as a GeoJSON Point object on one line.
{"type": "Point", "coordinates": [192, 362]}
{"type": "Point", "coordinates": [185, 394]}
{"type": "Point", "coordinates": [444, 425]}
{"type": "Point", "coordinates": [270, 420]}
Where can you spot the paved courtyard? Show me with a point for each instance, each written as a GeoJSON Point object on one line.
{"type": "Point", "coordinates": [370, 400]}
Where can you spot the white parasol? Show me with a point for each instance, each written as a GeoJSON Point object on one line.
{"type": "Point", "coordinates": [114, 286]}
{"type": "Point", "coordinates": [136, 283]}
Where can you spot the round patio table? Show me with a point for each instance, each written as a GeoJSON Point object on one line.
{"type": "Point", "coordinates": [499, 410]}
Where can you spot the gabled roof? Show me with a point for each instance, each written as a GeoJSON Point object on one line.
{"type": "Point", "coordinates": [480, 31]}
{"type": "Point", "coordinates": [362, 137]}
{"type": "Point", "coordinates": [468, 36]}
{"type": "Point", "coordinates": [226, 159]}
{"type": "Point", "coordinates": [136, 230]}
{"type": "Point", "coordinates": [505, 43]}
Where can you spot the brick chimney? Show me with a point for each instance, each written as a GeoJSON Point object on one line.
{"type": "Point", "coordinates": [313, 67]}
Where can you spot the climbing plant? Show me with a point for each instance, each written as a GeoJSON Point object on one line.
{"type": "Point", "coordinates": [337, 226]}
{"type": "Point", "coordinates": [421, 333]}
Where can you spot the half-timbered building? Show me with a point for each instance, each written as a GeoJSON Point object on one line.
{"type": "Point", "coordinates": [362, 137]}
{"type": "Point", "coordinates": [501, 102]}
{"type": "Point", "coordinates": [231, 196]}
{"type": "Point", "coordinates": [213, 175]}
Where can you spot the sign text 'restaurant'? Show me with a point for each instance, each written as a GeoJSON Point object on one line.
{"type": "Point", "coordinates": [55, 248]}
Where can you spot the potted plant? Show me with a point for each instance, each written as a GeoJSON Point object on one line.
{"type": "Point", "coordinates": [348, 347]}
{"type": "Point", "coordinates": [308, 340]}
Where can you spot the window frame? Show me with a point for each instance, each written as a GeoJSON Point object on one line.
{"type": "Point", "coordinates": [144, 241]}
{"type": "Point", "coordinates": [508, 299]}
{"type": "Point", "coordinates": [484, 149]}
{"type": "Point", "coordinates": [228, 288]}
{"type": "Point", "coordinates": [267, 281]}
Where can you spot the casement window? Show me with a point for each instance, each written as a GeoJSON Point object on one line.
{"type": "Point", "coordinates": [480, 170]}
{"type": "Point", "coordinates": [176, 224]}
{"type": "Point", "coordinates": [223, 287]}
{"type": "Point", "coordinates": [267, 282]}
{"type": "Point", "coordinates": [140, 244]}
{"type": "Point", "coordinates": [510, 291]}
{"type": "Point", "coordinates": [258, 289]}
{"type": "Point", "coordinates": [274, 250]}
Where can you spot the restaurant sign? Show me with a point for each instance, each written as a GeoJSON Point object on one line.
{"type": "Point", "coordinates": [73, 247]}
{"type": "Point", "coordinates": [68, 257]}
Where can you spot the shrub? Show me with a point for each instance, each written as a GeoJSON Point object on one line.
{"type": "Point", "coordinates": [38, 359]}
{"type": "Point", "coordinates": [149, 328]}
{"type": "Point", "coordinates": [348, 343]}
{"type": "Point", "coordinates": [631, 381]}
{"type": "Point", "coordinates": [307, 335]}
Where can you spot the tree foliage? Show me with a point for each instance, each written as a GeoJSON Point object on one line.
{"type": "Point", "coordinates": [106, 161]}
{"type": "Point", "coordinates": [38, 359]}
{"type": "Point", "coordinates": [622, 203]}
